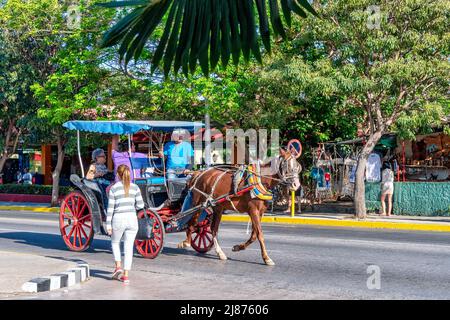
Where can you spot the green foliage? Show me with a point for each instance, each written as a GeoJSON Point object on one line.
{"type": "Point", "coordinates": [422, 121]}
{"type": "Point", "coordinates": [32, 189]}
{"type": "Point", "coordinates": [200, 30]}
{"type": "Point", "coordinates": [72, 90]}
{"type": "Point", "coordinates": [18, 69]}
{"type": "Point", "coordinates": [347, 72]}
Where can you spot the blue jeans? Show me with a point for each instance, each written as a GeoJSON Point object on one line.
{"type": "Point", "coordinates": [103, 184]}
{"type": "Point", "coordinates": [175, 173]}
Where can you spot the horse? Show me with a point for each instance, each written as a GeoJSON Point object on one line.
{"type": "Point", "coordinates": [216, 181]}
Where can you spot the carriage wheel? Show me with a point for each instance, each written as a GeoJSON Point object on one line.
{"type": "Point", "coordinates": [75, 222]}
{"type": "Point", "coordinates": [151, 248]}
{"type": "Point", "coordinates": [202, 238]}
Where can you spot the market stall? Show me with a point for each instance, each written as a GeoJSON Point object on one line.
{"type": "Point", "coordinates": [422, 184]}
{"type": "Point", "coordinates": [421, 168]}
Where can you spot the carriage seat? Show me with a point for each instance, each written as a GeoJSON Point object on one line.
{"type": "Point", "coordinates": [177, 188]}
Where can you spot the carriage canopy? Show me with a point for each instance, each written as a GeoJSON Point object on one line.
{"type": "Point", "coordinates": [131, 126]}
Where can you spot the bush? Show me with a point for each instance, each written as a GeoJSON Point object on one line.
{"type": "Point", "coordinates": [32, 189]}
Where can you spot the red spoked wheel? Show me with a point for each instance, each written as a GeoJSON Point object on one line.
{"type": "Point", "coordinates": [152, 247]}
{"type": "Point", "coordinates": [75, 222]}
{"type": "Point", "coordinates": [202, 238]}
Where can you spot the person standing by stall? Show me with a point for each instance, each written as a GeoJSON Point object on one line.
{"type": "Point", "coordinates": [387, 189]}
{"type": "Point", "coordinates": [27, 177]}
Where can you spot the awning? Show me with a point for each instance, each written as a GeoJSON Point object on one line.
{"type": "Point", "coordinates": [131, 127]}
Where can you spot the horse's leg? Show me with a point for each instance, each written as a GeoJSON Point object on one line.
{"type": "Point", "coordinates": [214, 230]}
{"type": "Point", "coordinates": [260, 237]}
{"type": "Point", "coordinates": [252, 238]}
{"type": "Point", "coordinates": [187, 242]}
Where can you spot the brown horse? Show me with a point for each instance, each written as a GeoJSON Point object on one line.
{"type": "Point", "coordinates": [216, 182]}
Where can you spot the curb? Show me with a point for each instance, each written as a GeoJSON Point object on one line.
{"type": "Point", "coordinates": [65, 279]}
{"type": "Point", "coordinates": [437, 227]}
{"type": "Point", "coordinates": [25, 208]}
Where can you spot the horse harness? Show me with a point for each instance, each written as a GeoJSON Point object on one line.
{"type": "Point", "coordinates": [253, 185]}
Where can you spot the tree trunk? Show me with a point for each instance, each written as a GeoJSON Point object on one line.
{"type": "Point", "coordinates": [3, 159]}
{"type": "Point", "coordinates": [5, 154]}
{"type": "Point", "coordinates": [360, 192]}
{"type": "Point", "coordinates": [56, 173]}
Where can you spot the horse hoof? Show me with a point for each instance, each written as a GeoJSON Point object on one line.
{"type": "Point", "coordinates": [269, 262]}
{"type": "Point", "coordinates": [183, 245]}
{"type": "Point", "coordinates": [222, 257]}
{"type": "Point", "coordinates": [236, 248]}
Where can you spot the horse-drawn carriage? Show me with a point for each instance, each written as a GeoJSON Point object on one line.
{"type": "Point", "coordinates": [83, 213]}
{"type": "Point", "coordinates": [169, 204]}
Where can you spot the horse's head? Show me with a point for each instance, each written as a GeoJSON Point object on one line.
{"type": "Point", "coordinates": [289, 170]}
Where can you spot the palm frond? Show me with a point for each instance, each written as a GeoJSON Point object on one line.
{"type": "Point", "coordinates": [201, 32]}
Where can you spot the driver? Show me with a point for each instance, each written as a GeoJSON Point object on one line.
{"type": "Point", "coordinates": [179, 154]}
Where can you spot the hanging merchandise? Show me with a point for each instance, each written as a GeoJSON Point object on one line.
{"type": "Point", "coordinates": [327, 179]}
{"type": "Point", "coordinates": [318, 175]}
{"type": "Point", "coordinates": [373, 168]}
{"type": "Point", "coordinates": [352, 178]}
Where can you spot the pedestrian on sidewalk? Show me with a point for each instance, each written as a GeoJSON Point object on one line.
{"type": "Point", "coordinates": [121, 221]}
{"type": "Point", "coordinates": [387, 188]}
{"type": "Point", "coordinates": [27, 178]}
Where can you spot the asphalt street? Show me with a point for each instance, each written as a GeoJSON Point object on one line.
{"type": "Point", "coordinates": [311, 263]}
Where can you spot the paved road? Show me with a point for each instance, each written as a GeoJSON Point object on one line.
{"type": "Point", "coordinates": [311, 263]}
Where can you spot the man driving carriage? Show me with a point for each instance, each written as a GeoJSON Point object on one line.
{"type": "Point", "coordinates": [179, 154]}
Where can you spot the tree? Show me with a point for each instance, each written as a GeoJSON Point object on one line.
{"type": "Point", "coordinates": [391, 67]}
{"type": "Point", "coordinates": [73, 89]}
{"type": "Point", "coordinates": [23, 61]}
{"type": "Point", "coordinates": [200, 30]}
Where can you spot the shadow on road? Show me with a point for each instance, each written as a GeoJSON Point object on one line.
{"type": "Point", "coordinates": [96, 273]}
{"type": "Point", "coordinates": [51, 241]}
{"type": "Point", "coordinates": [55, 242]}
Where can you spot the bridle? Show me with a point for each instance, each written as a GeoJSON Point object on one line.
{"type": "Point", "coordinates": [287, 173]}
{"type": "Point", "coordinates": [283, 175]}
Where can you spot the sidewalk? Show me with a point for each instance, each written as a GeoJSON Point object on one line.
{"type": "Point", "coordinates": [17, 268]}
{"type": "Point", "coordinates": [419, 223]}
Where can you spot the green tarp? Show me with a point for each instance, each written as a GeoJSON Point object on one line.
{"type": "Point", "coordinates": [413, 198]}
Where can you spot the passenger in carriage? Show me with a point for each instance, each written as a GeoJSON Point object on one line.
{"type": "Point", "coordinates": [179, 155]}
{"type": "Point", "coordinates": [99, 172]}
{"type": "Point", "coordinates": [121, 155]}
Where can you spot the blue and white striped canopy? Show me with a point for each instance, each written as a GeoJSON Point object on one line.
{"type": "Point", "coordinates": [131, 126]}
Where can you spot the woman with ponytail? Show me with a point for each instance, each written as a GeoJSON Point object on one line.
{"type": "Point", "coordinates": [121, 221]}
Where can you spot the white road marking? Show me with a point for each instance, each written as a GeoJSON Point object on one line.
{"type": "Point", "coordinates": [29, 231]}
{"type": "Point", "coordinates": [30, 220]}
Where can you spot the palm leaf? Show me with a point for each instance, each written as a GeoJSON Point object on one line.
{"type": "Point", "coordinates": [118, 4]}
{"type": "Point", "coordinates": [200, 31]}
{"type": "Point", "coordinates": [165, 37]}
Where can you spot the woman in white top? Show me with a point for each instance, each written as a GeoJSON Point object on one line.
{"type": "Point", "coordinates": [387, 188]}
